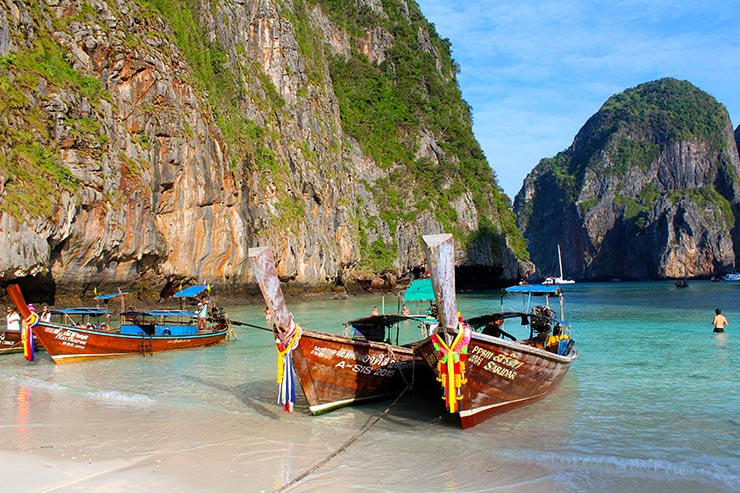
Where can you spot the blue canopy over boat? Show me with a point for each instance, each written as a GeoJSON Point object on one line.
{"type": "Point", "coordinates": [82, 311]}
{"type": "Point", "coordinates": [161, 313]}
{"type": "Point", "coordinates": [529, 293]}
{"type": "Point", "coordinates": [191, 292]}
{"type": "Point", "coordinates": [109, 296]}
{"type": "Point", "coordinates": [419, 290]}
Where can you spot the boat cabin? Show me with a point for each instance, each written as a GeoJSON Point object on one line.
{"type": "Point", "coordinates": [378, 328]}
{"type": "Point", "coordinates": [160, 322]}
{"type": "Point", "coordinates": [83, 317]}
{"type": "Point", "coordinates": [545, 328]}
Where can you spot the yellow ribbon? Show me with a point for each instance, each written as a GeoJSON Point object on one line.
{"type": "Point", "coordinates": [453, 381]}
{"type": "Point", "coordinates": [288, 347]}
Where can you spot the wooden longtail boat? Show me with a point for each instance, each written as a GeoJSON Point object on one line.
{"type": "Point", "coordinates": [333, 370]}
{"type": "Point", "coordinates": [11, 342]}
{"type": "Point", "coordinates": [482, 373]}
{"type": "Point", "coordinates": [67, 343]}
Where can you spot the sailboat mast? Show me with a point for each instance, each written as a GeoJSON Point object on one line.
{"type": "Point", "coordinates": [560, 261]}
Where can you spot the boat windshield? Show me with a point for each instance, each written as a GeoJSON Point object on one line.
{"type": "Point", "coordinates": [83, 316]}
{"type": "Point", "coordinates": [159, 314]}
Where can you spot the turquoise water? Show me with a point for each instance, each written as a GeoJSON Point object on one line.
{"type": "Point", "coordinates": [651, 404]}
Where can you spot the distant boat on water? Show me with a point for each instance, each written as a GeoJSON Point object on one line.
{"type": "Point", "coordinates": [735, 276]}
{"type": "Point", "coordinates": [559, 279]}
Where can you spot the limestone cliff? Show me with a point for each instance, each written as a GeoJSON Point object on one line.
{"type": "Point", "coordinates": [148, 143]}
{"type": "Point", "coordinates": [648, 190]}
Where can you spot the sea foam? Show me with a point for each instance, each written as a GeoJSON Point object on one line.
{"type": "Point", "coordinates": [108, 396]}
{"type": "Point", "coordinates": [722, 474]}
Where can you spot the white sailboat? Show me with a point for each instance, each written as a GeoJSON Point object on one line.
{"type": "Point", "coordinates": [559, 279]}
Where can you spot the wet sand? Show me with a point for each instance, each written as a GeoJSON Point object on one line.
{"type": "Point", "coordinates": [72, 437]}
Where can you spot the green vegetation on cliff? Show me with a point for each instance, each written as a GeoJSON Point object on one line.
{"type": "Point", "coordinates": [32, 166]}
{"type": "Point", "coordinates": [383, 106]}
{"type": "Point", "coordinates": [653, 174]}
{"type": "Point", "coordinates": [216, 76]}
{"type": "Point", "coordinates": [633, 126]}
{"type": "Point", "coordinates": [59, 123]}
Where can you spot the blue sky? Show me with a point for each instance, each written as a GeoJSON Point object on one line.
{"type": "Point", "coordinates": [535, 71]}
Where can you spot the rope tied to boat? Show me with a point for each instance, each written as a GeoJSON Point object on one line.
{"type": "Point", "coordinates": [286, 343]}
{"type": "Point", "coordinates": [395, 360]}
{"type": "Point", "coordinates": [451, 364]}
{"type": "Point", "coordinates": [345, 446]}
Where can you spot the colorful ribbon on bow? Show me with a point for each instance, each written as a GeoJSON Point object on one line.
{"type": "Point", "coordinates": [286, 343]}
{"type": "Point", "coordinates": [451, 364]}
{"type": "Point", "coordinates": [27, 335]}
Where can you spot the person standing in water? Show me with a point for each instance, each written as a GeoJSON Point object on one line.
{"type": "Point", "coordinates": [720, 322]}
{"type": "Point", "coordinates": [45, 313]}
{"type": "Point", "coordinates": [12, 321]}
{"type": "Point", "coordinates": [202, 313]}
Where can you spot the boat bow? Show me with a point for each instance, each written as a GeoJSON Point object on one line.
{"type": "Point", "coordinates": [494, 375]}
{"type": "Point", "coordinates": [333, 370]}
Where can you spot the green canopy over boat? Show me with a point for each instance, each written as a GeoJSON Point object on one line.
{"type": "Point", "coordinates": [419, 290]}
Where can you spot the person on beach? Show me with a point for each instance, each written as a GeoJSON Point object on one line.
{"type": "Point", "coordinates": [12, 321]}
{"type": "Point", "coordinates": [720, 322]}
{"type": "Point", "coordinates": [267, 314]}
{"type": "Point", "coordinates": [405, 311]}
{"type": "Point", "coordinates": [45, 315]}
{"type": "Point", "coordinates": [202, 313]}
{"type": "Point", "coordinates": [375, 311]}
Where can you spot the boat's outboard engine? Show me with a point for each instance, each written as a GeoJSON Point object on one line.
{"type": "Point", "coordinates": [218, 316]}
{"type": "Point", "coordinates": [540, 320]}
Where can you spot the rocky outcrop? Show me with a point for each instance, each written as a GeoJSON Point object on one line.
{"type": "Point", "coordinates": [143, 148]}
{"type": "Point", "coordinates": [648, 190]}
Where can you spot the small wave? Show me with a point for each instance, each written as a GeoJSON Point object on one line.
{"type": "Point", "coordinates": [121, 397]}
{"type": "Point", "coordinates": [37, 384]}
{"type": "Point", "coordinates": [713, 473]}
{"type": "Point", "coordinates": [108, 396]}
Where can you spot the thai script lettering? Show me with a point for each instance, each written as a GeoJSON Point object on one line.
{"type": "Point", "coordinates": [379, 365]}
{"type": "Point", "coordinates": [70, 338]}
{"type": "Point", "coordinates": [374, 360]}
{"type": "Point", "coordinates": [506, 359]}
{"type": "Point", "coordinates": [328, 353]}
{"type": "Point", "coordinates": [504, 364]}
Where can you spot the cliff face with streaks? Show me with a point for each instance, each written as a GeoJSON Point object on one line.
{"type": "Point", "coordinates": [144, 144]}
{"type": "Point", "coordinates": [648, 190]}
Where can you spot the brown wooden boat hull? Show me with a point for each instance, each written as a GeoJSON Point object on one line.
{"type": "Point", "coordinates": [67, 344]}
{"type": "Point", "coordinates": [336, 371]}
{"type": "Point", "coordinates": [12, 343]}
{"type": "Point", "coordinates": [502, 375]}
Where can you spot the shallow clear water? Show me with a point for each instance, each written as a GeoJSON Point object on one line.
{"type": "Point", "coordinates": [651, 404]}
